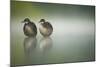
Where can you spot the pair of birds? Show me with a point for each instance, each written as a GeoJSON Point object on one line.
{"type": "Point", "coordinates": [30, 28]}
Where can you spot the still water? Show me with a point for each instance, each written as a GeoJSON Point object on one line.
{"type": "Point", "coordinates": [53, 49]}
{"type": "Point", "coordinates": [72, 40]}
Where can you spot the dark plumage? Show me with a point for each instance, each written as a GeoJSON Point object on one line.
{"type": "Point", "coordinates": [45, 28]}
{"type": "Point", "coordinates": [30, 28]}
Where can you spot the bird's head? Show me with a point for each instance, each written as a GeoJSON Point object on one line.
{"type": "Point", "coordinates": [26, 20]}
{"type": "Point", "coordinates": [42, 20]}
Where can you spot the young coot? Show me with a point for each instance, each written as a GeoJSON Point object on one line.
{"type": "Point", "coordinates": [29, 28]}
{"type": "Point", "coordinates": [45, 28]}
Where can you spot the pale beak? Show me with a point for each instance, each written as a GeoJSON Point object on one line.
{"type": "Point", "coordinates": [39, 21]}
{"type": "Point", "coordinates": [22, 22]}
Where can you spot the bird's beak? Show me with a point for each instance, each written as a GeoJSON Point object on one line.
{"type": "Point", "coordinates": [39, 21]}
{"type": "Point", "coordinates": [22, 22]}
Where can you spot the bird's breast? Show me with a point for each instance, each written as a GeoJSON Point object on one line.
{"type": "Point", "coordinates": [43, 29]}
{"type": "Point", "coordinates": [28, 29]}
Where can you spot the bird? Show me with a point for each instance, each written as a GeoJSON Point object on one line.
{"type": "Point", "coordinates": [45, 28]}
{"type": "Point", "coordinates": [29, 28]}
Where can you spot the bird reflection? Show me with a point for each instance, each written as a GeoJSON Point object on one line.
{"type": "Point", "coordinates": [45, 44]}
{"type": "Point", "coordinates": [30, 45]}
